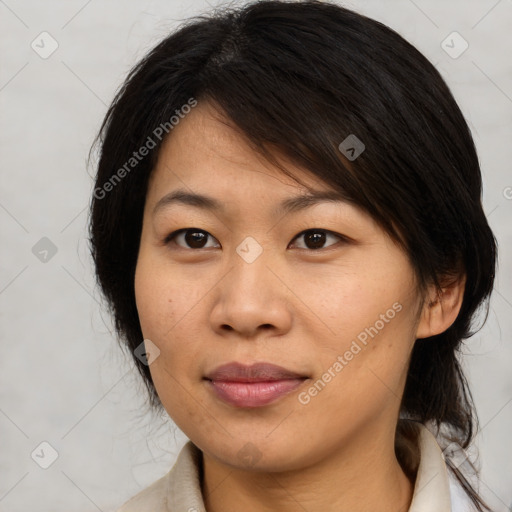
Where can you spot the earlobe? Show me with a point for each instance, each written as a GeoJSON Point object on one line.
{"type": "Point", "coordinates": [440, 308]}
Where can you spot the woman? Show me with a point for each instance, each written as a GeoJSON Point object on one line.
{"type": "Point", "coordinates": [287, 225]}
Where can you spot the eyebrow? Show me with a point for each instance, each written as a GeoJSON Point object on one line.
{"type": "Point", "coordinates": [292, 204]}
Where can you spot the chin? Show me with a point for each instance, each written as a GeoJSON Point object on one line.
{"type": "Point", "coordinates": [258, 455]}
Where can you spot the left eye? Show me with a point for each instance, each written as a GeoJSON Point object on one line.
{"type": "Point", "coordinates": [316, 238]}
{"type": "Point", "coordinates": [191, 238]}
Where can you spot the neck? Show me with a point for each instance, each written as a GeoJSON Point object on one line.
{"type": "Point", "coordinates": [363, 474]}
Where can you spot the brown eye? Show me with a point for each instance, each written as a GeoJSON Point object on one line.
{"type": "Point", "coordinates": [190, 238]}
{"type": "Point", "coordinates": [315, 239]}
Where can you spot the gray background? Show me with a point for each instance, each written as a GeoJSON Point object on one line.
{"type": "Point", "coordinates": [63, 379]}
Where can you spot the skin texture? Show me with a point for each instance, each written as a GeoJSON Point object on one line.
{"type": "Point", "coordinates": [293, 306]}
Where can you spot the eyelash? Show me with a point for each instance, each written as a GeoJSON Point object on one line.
{"type": "Point", "coordinates": [170, 238]}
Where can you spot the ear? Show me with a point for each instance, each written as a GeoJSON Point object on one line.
{"type": "Point", "coordinates": [441, 308]}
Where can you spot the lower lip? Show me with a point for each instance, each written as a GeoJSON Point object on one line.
{"type": "Point", "coordinates": [253, 394]}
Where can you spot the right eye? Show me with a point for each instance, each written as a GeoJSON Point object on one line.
{"type": "Point", "coordinates": [190, 238]}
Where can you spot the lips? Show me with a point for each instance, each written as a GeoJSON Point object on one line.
{"type": "Point", "coordinates": [252, 386]}
{"type": "Point", "coordinates": [258, 372]}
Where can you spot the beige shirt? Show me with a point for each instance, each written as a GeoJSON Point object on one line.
{"type": "Point", "coordinates": [180, 489]}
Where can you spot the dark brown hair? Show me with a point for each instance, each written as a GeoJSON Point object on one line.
{"type": "Point", "coordinates": [299, 78]}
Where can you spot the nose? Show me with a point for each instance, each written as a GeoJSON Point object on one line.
{"type": "Point", "coordinates": [251, 300]}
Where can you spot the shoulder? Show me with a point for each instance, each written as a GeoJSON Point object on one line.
{"type": "Point", "coordinates": [150, 499]}
{"type": "Point", "coordinates": [460, 500]}
{"type": "Point", "coordinates": [177, 490]}
{"type": "Point", "coordinates": [436, 486]}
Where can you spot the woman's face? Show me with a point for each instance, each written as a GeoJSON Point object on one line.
{"type": "Point", "coordinates": [338, 306]}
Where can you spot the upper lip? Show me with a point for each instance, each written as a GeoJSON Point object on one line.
{"type": "Point", "coordinates": [257, 372]}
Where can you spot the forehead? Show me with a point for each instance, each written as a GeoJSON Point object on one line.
{"type": "Point", "coordinates": [207, 165]}
{"type": "Point", "coordinates": [206, 150]}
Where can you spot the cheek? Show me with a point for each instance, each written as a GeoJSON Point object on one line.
{"type": "Point", "coordinates": [382, 349]}
{"type": "Point", "coordinates": [354, 299]}
{"type": "Point", "coordinates": [164, 297]}
{"type": "Point", "coordinates": [167, 304]}
{"type": "Point", "coordinates": [372, 328]}
{"type": "Point", "coordinates": [164, 306]}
